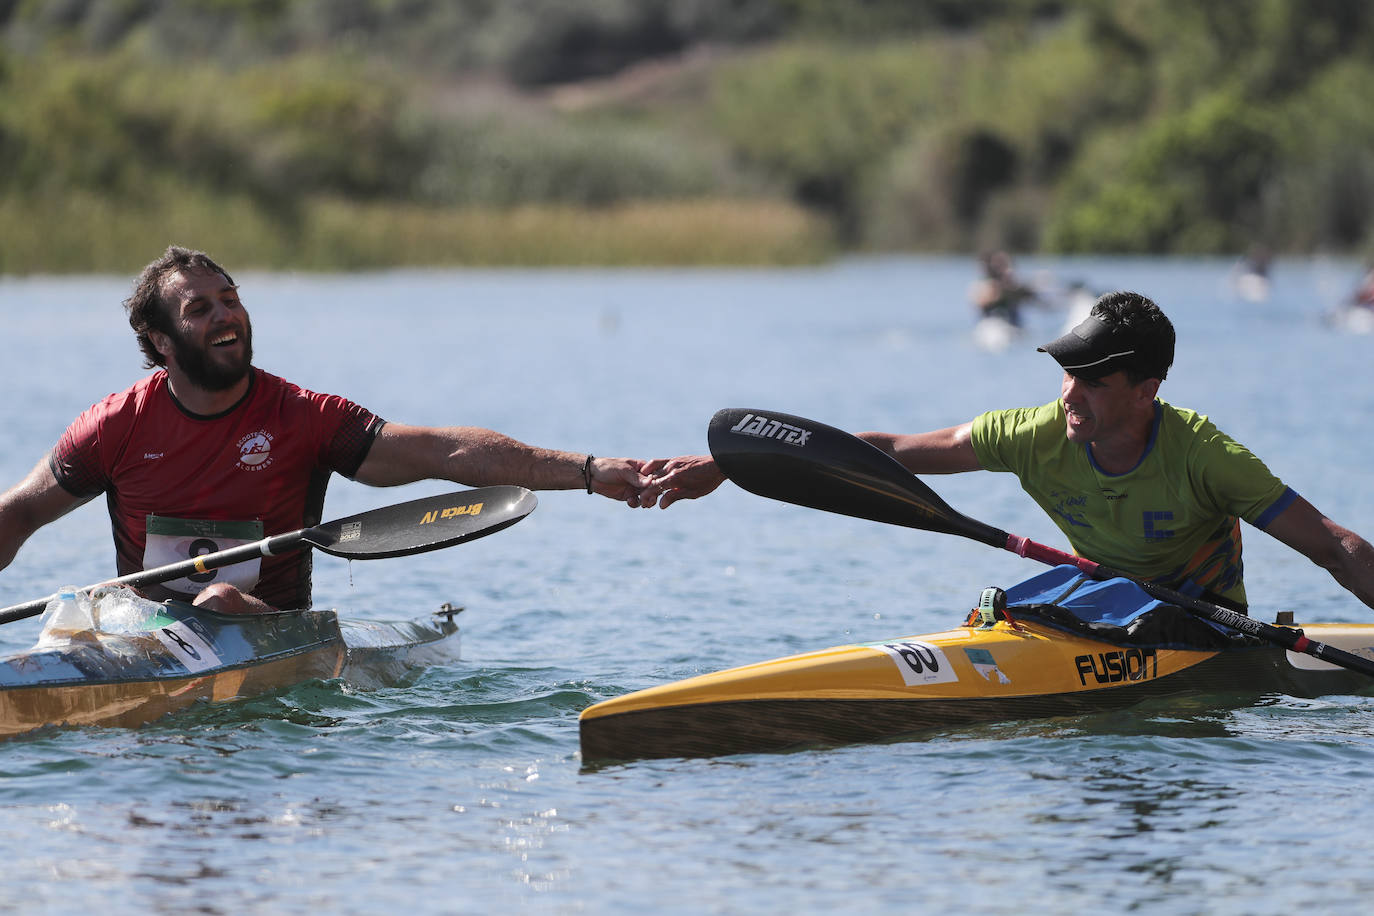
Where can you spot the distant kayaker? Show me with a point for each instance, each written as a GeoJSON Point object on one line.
{"type": "Point", "coordinates": [1133, 482]}
{"type": "Point", "coordinates": [209, 451]}
{"type": "Point", "coordinates": [999, 293]}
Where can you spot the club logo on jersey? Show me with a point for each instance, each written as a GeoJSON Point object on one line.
{"type": "Point", "coordinates": [1071, 508]}
{"type": "Point", "coordinates": [1154, 531]}
{"type": "Point", "coordinates": [255, 450]}
{"type": "Point", "coordinates": [764, 428]}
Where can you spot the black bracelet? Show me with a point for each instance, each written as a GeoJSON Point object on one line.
{"type": "Point", "coordinates": [587, 472]}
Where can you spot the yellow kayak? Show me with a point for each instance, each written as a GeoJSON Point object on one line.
{"type": "Point", "coordinates": [1023, 669]}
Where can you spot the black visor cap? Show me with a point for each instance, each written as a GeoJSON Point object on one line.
{"type": "Point", "coordinates": [1092, 350]}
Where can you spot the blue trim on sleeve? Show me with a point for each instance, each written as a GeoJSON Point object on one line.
{"type": "Point", "coordinates": [1273, 512]}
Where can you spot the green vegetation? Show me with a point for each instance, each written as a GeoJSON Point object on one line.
{"type": "Point", "coordinates": [322, 134]}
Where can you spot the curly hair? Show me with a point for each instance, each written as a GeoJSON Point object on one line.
{"type": "Point", "coordinates": [148, 309]}
{"type": "Point", "coordinates": [1147, 325]}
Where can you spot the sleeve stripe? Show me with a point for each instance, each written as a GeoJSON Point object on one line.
{"type": "Point", "coordinates": [1273, 512]}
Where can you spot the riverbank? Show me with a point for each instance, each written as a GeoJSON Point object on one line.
{"type": "Point", "coordinates": [87, 234]}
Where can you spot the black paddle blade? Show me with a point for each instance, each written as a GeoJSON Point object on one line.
{"type": "Point", "coordinates": [425, 524]}
{"type": "Point", "coordinates": [800, 461]}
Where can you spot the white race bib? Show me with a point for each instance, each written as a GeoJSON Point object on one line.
{"type": "Point", "coordinates": [175, 540]}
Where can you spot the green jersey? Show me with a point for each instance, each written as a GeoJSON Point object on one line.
{"type": "Point", "coordinates": [1173, 518]}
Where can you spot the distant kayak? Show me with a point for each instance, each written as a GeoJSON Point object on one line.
{"type": "Point", "coordinates": [1251, 287]}
{"type": "Point", "coordinates": [994, 334]}
{"type": "Point", "coordinates": [1352, 319]}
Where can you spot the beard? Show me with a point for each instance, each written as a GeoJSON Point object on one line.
{"type": "Point", "coordinates": [208, 370]}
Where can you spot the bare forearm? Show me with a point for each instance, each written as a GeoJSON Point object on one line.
{"type": "Point", "coordinates": [29, 505]}
{"type": "Point", "coordinates": [1354, 566]}
{"type": "Point", "coordinates": [10, 542]}
{"type": "Point", "coordinates": [1338, 550]}
{"type": "Point", "coordinates": [942, 451]}
{"type": "Point", "coordinates": [468, 455]}
{"type": "Point", "coordinates": [478, 457]}
{"type": "Point", "coordinates": [15, 528]}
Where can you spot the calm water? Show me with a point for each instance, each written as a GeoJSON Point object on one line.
{"type": "Point", "coordinates": [464, 792]}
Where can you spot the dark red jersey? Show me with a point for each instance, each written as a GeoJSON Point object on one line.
{"type": "Point", "coordinates": [258, 469]}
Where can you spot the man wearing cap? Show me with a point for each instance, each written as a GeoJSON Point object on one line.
{"type": "Point", "coordinates": [1133, 482]}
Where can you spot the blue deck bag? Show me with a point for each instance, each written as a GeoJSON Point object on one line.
{"type": "Point", "coordinates": [1114, 610]}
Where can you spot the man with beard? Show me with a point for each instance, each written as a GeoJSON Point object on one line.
{"type": "Point", "coordinates": [210, 452]}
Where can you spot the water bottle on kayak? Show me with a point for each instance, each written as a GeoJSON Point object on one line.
{"type": "Point", "coordinates": [68, 613]}
{"type": "Point", "coordinates": [116, 609]}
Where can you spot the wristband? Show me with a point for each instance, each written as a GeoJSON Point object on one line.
{"type": "Point", "coordinates": [587, 472]}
